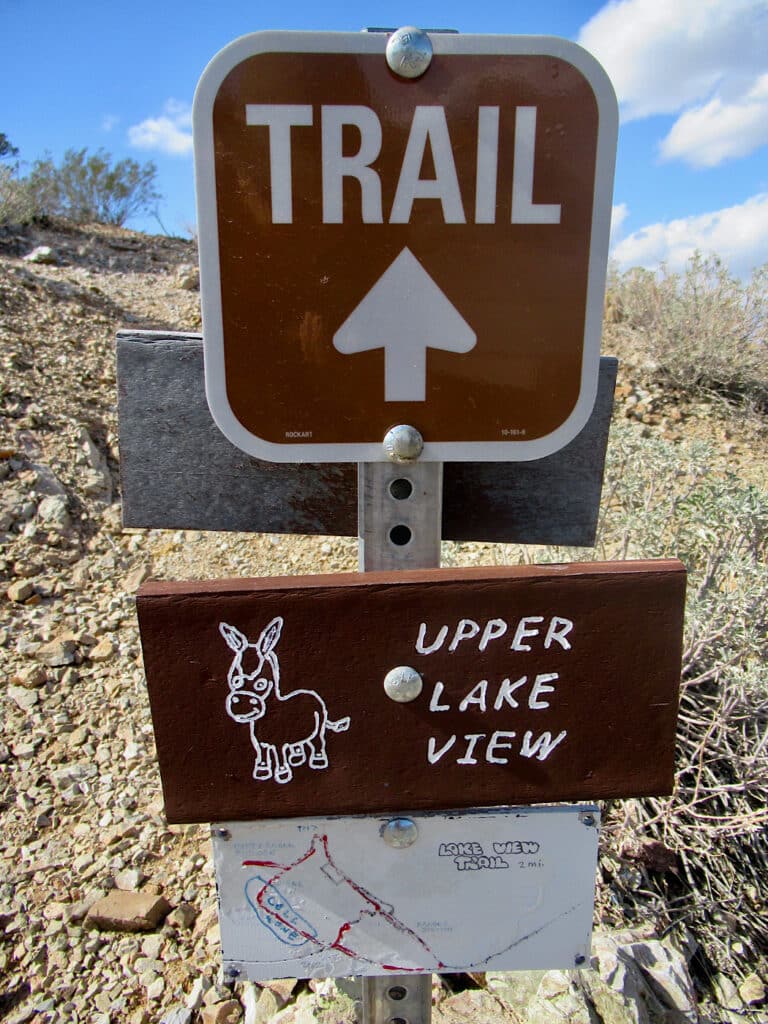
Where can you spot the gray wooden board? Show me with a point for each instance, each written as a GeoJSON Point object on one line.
{"type": "Point", "coordinates": [178, 471]}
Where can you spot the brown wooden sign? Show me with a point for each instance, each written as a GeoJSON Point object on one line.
{"type": "Point", "coordinates": [378, 250]}
{"type": "Point", "coordinates": [538, 684]}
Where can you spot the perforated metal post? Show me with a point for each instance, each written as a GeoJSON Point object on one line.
{"type": "Point", "coordinates": [399, 517]}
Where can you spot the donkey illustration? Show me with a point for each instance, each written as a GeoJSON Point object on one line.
{"type": "Point", "coordinates": [286, 728]}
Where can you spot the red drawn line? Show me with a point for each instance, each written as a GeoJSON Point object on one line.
{"type": "Point", "coordinates": [361, 892]}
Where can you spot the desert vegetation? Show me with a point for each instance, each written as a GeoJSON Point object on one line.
{"type": "Point", "coordinates": [81, 188]}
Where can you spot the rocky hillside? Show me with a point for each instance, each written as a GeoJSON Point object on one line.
{"type": "Point", "coordinates": [107, 913]}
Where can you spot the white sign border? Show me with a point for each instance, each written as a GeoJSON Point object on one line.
{"type": "Point", "coordinates": [207, 223]}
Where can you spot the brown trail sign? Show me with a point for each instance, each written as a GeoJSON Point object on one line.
{"type": "Point", "coordinates": [378, 249]}
{"type": "Point", "coordinates": [537, 684]}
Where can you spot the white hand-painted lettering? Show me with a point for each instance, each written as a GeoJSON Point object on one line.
{"type": "Point", "coordinates": [539, 687]}
{"type": "Point", "coordinates": [255, 697]}
{"type": "Point", "coordinates": [558, 630]}
{"type": "Point", "coordinates": [528, 627]}
{"type": "Point", "coordinates": [494, 628]}
{"type": "Point", "coordinates": [434, 704]}
{"type": "Point", "coordinates": [542, 746]}
{"type": "Point", "coordinates": [433, 754]}
{"type": "Point", "coordinates": [466, 629]}
{"type": "Point", "coordinates": [504, 696]}
{"type": "Point", "coordinates": [523, 632]}
{"type": "Point", "coordinates": [499, 741]}
{"type": "Point", "coordinates": [471, 739]}
{"type": "Point", "coordinates": [475, 696]}
{"type": "Point", "coordinates": [421, 646]}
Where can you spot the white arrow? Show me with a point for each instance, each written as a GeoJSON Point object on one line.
{"type": "Point", "coordinates": [405, 313]}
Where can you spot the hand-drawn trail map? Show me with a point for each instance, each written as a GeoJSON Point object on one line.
{"type": "Point", "coordinates": [501, 890]}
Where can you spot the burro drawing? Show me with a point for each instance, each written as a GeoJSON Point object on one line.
{"type": "Point", "coordinates": [287, 729]}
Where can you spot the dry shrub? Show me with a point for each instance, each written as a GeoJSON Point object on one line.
{"type": "Point", "coordinates": [700, 331]}
{"type": "Point", "coordinates": [17, 205]}
{"type": "Point", "coordinates": [700, 857]}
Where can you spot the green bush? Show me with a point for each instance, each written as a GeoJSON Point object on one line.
{"type": "Point", "coordinates": [17, 205]}
{"type": "Point", "coordinates": [699, 331]}
{"type": "Point", "coordinates": [89, 187]}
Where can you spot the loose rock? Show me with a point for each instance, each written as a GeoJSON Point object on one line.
{"type": "Point", "coordinates": [128, 912]}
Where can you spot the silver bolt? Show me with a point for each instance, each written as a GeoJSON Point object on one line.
{"type": "Point", "coordinates": [409, 52]}
{"type": "Point", "coordinates": [403, 443]}
{"type": "Point", "coordinates": [588, 819]}
{"type": "Point", "coordinates": [399, 833]}
{"type": "Point", "coordinates": [222, 833]}
{"type": "Point", "coordinates": [403, 684]}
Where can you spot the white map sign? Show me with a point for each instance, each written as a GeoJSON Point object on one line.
{"type": "Point", "coordinates": [511, 889]}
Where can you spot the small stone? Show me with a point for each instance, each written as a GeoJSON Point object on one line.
{"type": "Point", "coordinates": [228, 1012]}
{"type": "Point", "coordinates": [42, 254]}
{"type": "Point", "coordinates": [282, 988]}
{"type": "Point", "coordinates": [30, 676]}
{"type": "Point", "coordinates": [129, 879]}
{"type": "Point", "coordinates": [53, 512]}
{"type": "Point", "coordinates": [20, 590]}
{"type": "Point", "coordinates": [267, 1006]}
{"type": "Point", "coordinates": [23, 698]}
{"type": "Point", "coordinates": [188, 278]}
{"type": "Point", "coordinates": [128, 912]}
{"type": "Point", "coordinates": [752, 990]}
{"type": "Point", "coordinates": [183, 917]}
{"type": "Point", "coordinates": [57, 653]}
{"type": "Point", "coordinates": [155, 989]}
{"type": "Point", "coordinates": [103, 650]}
{"type": "Point", "coordinates": [177, 1015]}
{"type": "Point", "coordinates": [200, 986]}
{"type": "Point", "coordinates": [135, 578]}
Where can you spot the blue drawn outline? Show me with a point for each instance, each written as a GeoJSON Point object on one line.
{"type": "Point", "coordinates": [283, 933]}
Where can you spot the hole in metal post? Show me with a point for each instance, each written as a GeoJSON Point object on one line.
{"type": "Point", "coordinates": [397, 992]}
{"type": "Point", "coordinates": [397, 1020]}
{"type": "Point", "coordinates": [400, 535]}
{"type": "Point", "coordinates": [401, 489]}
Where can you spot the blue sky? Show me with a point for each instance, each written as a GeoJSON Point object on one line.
{"type": "Point", "coordinates": [691, 77]}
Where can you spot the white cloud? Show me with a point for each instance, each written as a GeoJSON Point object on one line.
{"type": "Point", "coordinates": [109, 121]}
{"type": "Point", "coordinates": [716, 131]}
{"type": "Point", "coordinates": [169, 133]}
{"type": "Point", "coordinates": [738, 234]}
{"type": "Point", "coordinates": [663, 56]}
{"type": "Point", "coordinates": [706, 58]}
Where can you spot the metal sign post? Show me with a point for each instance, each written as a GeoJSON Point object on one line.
{"type": "Point", "coordinates": [445, 275]}
{"type": "Point", "coordinates": [399, 519]}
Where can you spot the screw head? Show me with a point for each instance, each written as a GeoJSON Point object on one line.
{"type": "Point", "coordinates": [222, 833]}
{"type": "Point", "coordinates": [403, 443]}
{"type": "Point", "coordinates": [588, 819]}
{"type": "Point", "coordinates": [409, 52]}
{"type": "Point", "coordinates": [400, 833]}
{"type": "Point", "coordinates": [403, 684]}
{"type": "Point", "coordinates": [579, 960]}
